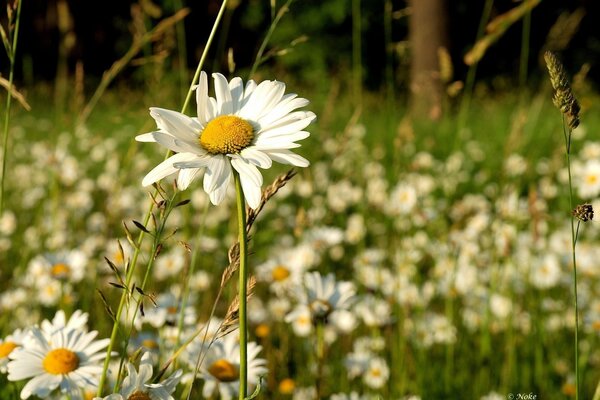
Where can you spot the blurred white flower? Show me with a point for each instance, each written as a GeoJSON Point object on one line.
{"type": "Point", "coordinates": [137, 384]}
{"type": "Point", "coordinates": [220, 367]}
{"type": "Point", "coordinates": [588, 182]}
{"type": "Point", "coordinates": [545, 272]}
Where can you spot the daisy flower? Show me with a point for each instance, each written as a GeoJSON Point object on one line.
{"type": "Point", "coordinates": [68, 265]}
{"type": "Point", "coordinates": [68, 360]}
{"type": "Point", "coordinates": [135, 385]}
{"type": "Point", "coordinates": [8, 344]}
{"type": "Point", "coordinates": [77, 321]}
{"type": "Point", "coordinates": [220, 368]}
{"type": "Point", "coordinates": [243, 127]}
{"type": "Point", "coordinates": [323, 295]}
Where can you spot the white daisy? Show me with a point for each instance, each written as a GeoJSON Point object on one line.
{"type": "Point", "coordinates": [324, 295]}
{"type": "Point", "coordinates": [8, 344]}
{"type": "Point", "coordinates": [68, 265]}
{"type": "Point", "coordinates": [241, 127]}
{"type": "Point", "coordinates": [68, 360]}
{"type": "Point", "coordinates": [377, 373]}
{"type": "Point", "coordinates": [135, 385]}
{"type": "Point", "coordinates": [220, 368]}
{"type": "Point", "coordinates": [77, 321]}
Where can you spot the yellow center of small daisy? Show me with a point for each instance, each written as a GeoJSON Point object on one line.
{"type": "Point", "coordinates": [6, 348]}
{"type": "Point", "coordinates": [149, 344]}
{"type": "Point", "coordinates": [226, 134]}
{"type": "Point", "coordinates": [60, 361]}
{"type": "Point", "coordinates": [287, 386]}
{"type": "Point", "coordinates": [262, 330]}
{"type": "Point", "coordinates": [139, 395]}
{"type": "Point", "coordinates": [280, 273]}
{"type": "Point", "coordinates": [60, 270]}
{"type": "Point", "coordinates": [224, 371]}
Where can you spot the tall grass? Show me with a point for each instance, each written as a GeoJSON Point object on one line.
{"type": "Point", "coordinates": [10, 39]}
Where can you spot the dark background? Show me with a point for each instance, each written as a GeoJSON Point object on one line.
{"type": "Point", "coordinates": [103, 34]}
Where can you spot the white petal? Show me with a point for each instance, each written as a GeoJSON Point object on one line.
{"type": "Point", "coordinates": [166, 168]}
{"type": "Point", "coordinates": [236, 87]}
{"type": "Point", "coordinates": [288, 104]}
{"type": "Point", "coordinates": [252, 192]}
{"type": "Point", "coordinates": [145, 137]}
{"type": "Point", "coordinates": [217, 196]}
{"type": "Point", "coordinates": [185, 177]}
{"type": "Point", "coordinates": [288, 128]}
{"type": "Point", "coordinates": [202, 98]}
{"type": "Point", "coordinates": [199, 162]}
{"type": "Point", "coordinates": [223, 94]}
{"type": "Point", "coordinates": [247, 170]}
{"type": "Point", "coordinates": [41, 385]}
{"type": "Point", "coordinates": [248, 90]}
{"type": "Point", "coordinates": [256, 157]}
{"type": "Point", "coordinates": [217, 171]}
{"type": "Point", "coordinates": [288, 137]}
{"type": "Point", "coordinates": [177, 145]}
{"type": "Point", "coordinates": [287, 157]}
{"type": "Point", "coordinates": [263, 98]}
{"type": "Point", "coordinates": [287, 119]}
{"type": "Point", "coordinates": [284, 142]}
{"type": "Point", "coordinates": [175, 123]}
{"type": "Point", "coordinates": [211, 109]}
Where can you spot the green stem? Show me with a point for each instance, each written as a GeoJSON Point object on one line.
{"type": "Point", "coordinates": [241, 211]}
{"type": "Point", "coordinates": [465, 103]}
{"type": "Point", "coordinates": [524, 58]}
{"type": "Point", "coordinates": [263, 45]}
{"type": "Point", "coordinates": [12, 54]}
{"type": "Point", "coordinates": [356, 53]}
{"type": "Point", "coordinates": [567, 136]}
{"type": "Point", "coordinates": [320, 358]}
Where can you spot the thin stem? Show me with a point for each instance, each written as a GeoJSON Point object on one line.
{"type": "Point", "coordinates": [12, 54]}
{"type": "Point", "coordinates": [285, 8]}
{"type": "Point", "coordinates": [320, 358]}
{"type": "Point", "coordinates": [356, 53]}
{"type": "Point", "coordinates": [525, 42]}
{"type": "Point", "coordinates": [567, 136]}
{"type": "Point", "coordinates": [241, 211]}
{"type": "Point", "coordinates": [465, 103]}
{"type": "Point", "coordinates": [204, 54]}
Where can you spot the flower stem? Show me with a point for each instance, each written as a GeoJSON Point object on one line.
{"type": "Point", "coordinates": [259, 56]}
{"type": "Point", "coordinates": [241, 211]}
{"type": "Point", "coordinates": [12, 52]}
{"type": "Point", "coordinates": [567, 135]}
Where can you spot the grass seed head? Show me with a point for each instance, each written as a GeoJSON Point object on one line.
{"type": "Point", "coordinates": [563, 97]}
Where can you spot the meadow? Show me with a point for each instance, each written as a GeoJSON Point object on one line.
{"type": "Point", "coordinates": [411, 260]}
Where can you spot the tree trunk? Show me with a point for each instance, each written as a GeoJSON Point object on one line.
{"type": "Point", "coordinates": [428, 32]}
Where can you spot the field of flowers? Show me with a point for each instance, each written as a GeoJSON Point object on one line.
{"type": "Point", "coordinates": [398, 259]}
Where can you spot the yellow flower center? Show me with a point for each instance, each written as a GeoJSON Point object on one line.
{"type": "Point", "coordinates": [226, 134]}
{"type": "Point", "coordinates": [224, 371]}
{"type": "Point", "coordinates": [287, 386]}
{"type": "Point", "coordinates": [320, 308]}
{"type": "Point", "coordinates": [6, 348]}
{"type": "Point", "coordinates": [149, 344]}
{"type": "Point", "coordinates": [138, 395]}
{"type": "Point", "coordinates": [262, 331]}
{"type": "Point", "coordinates": [60, 271]}
{"type": "Point", "coordinates": [592, 179]}
{"type": "Point", "coordinates": [60, 361]}
{"type": "Point", "coordinates": [280, 273]}
{"type": "Point", "coordinates": [172, 310]}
